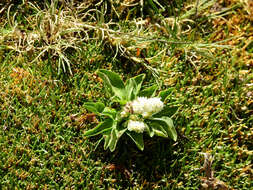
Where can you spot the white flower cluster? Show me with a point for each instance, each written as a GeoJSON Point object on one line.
{"type": "Point", "coordinates": [140, 106]}
{"type": "Point", "coordinates": [137, 126]}
{"type": "Point", "coordinates": [147, 106]}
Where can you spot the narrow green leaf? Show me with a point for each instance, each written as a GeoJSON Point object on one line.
{"type": "Point", "coordinates": [113, 82]}
{"type": "Point", "coordinates": [139, 80]}
{"type": "Point", "coordinates": [107, 137]}
{"type": "Point", "coordinates": [137, 138]}
{"type": "Point", "coordinates": [133, 86]}
{"type": "Point", "coordinates": [149, 92]}
{"type": "Point", "coordinates": [130, 89]}
{"type": "Point", "coordinates": [100, 128]}
{"type": "Point", "coordinates": [113, 140]}
{"type": "Point", "coordinates": [150, 131]}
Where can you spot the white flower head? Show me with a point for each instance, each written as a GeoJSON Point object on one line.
{"type": "Point", "coordinates": [155, 105]}
{"type": "Point", "coordinates": [137, 126]}
{"type": "Point", "coordinates": [147, 106]}
{"type": "Point", "coordinates": [138, 105]}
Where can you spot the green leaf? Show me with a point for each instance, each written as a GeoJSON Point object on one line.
{"type": "Point", "coordinates": [113, 140]}
{"type": "Point", "coordinates": [131, 89]}
{"type": "Point", "coordinates": [112, 137]}
{"type": "Point", "coordinates": [100, 128]}
{"type": "Point", "coordinates": [137, 138]}
{"type": "Point", "coordinates": [110, 112]}
{"type": "Point", "coordinates": [168, 126]}
{"type": "Point", "coordinates": [158, 129]}
{"type": "Point", "coordinates": [139, 80]}
{"type": "Point", "coordinates": [107, 137]}
{"type": "Point", "coordinates": [165, 93]}
{"type": "Point", "coordinates": [113, 82]}
{"type": "Point", "coordinates": [97, 107]}
{"type": "Point", "coordinates": [133, 86]}
{"type": "Point", "coordinates": [149, 92]}
{"type": "Point", "coordinates": [150, 130]}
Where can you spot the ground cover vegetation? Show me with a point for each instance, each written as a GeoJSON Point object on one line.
{"type": "Point", "coordinates": [201, 52]}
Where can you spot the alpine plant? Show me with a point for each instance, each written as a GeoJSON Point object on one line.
{"type": "Point", "coordinates": [139, 112]}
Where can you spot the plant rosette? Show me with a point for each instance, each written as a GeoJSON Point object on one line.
{"type": "Point", "coordinates": [139, 112]}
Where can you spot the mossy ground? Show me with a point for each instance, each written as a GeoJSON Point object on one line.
{"type": "Point", "coordinates": [204, 54]}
